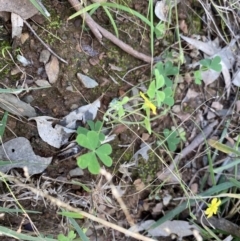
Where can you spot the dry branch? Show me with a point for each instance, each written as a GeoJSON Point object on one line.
{"type": "Point", "coordinates": [99, 31]}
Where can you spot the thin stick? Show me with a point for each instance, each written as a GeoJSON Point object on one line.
{"type": "Point", "coordinates": [99, 31]}
{"type": "Point", "coordinates": [43, 43]}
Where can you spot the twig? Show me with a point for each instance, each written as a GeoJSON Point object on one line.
{"type": "Point", "coordinates": [66, 206]}
{"type": "Point", "coordinates": [116, 194]}
{"type": "Point", "coordinates": [43, 43]}
{"type": "Point", "coordinates": [99, 31]}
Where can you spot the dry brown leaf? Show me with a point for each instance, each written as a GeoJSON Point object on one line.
{"type": "Point", "coordinates": [52, 69]}
{"type": "Point", "coordinates": [183, 26]}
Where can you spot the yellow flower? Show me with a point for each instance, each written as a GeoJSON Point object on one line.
{"type": "Point", "coordinates": [213, 207]}
{"type": "Point", "coordinates": [148, 103]}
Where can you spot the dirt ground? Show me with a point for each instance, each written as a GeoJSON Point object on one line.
{"type": "Point", "coordinates": [84, 54]}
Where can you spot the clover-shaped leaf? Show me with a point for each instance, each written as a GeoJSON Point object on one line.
{"type": "Point", "coordinates": [160, 97]}
{"type": "Point", "coordinates": [151, 90]}
{"type": "Point", "coordinates": [89, 141]}
{"type": "Point", "coordinates": [89, 160]}
{"type": "Point", "coordinates": [103, 153]}
{"type": "Point", "coordinates": [172, 139]}
{"type": "Point", "coordinates": [216, 64]}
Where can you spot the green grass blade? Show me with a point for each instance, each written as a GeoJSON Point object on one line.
{"type": "Point", "coordinates": [39, 8]}
{"type": "Point", "coordinates": [225, 167]}
{"type": "Point", "coordinates": [10, 233]}
{"type": "Point", "coordinates": [17, 91]}
{"type": "Point", "coordinates": [111, 20]}
{"type": "Point", "coordinates": [84, 10]}
{"type": "Point", "coordinates": [71, 214]}
{"type": "Point", "coordinates": [79, 230]}
{"type": "Point", "coordinates": [16, 210]}
{"type": "Point", "coordinates": [222, 147]}
{"type": "Point", "coordinates": [112, 5]}
{"type": "Point", "coordinates": [3, 124]}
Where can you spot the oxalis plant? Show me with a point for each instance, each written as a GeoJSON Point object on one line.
{"type": "Point", "coordinates": [92, 140]}
{"type": "Point", "coordinates": [159, 96]}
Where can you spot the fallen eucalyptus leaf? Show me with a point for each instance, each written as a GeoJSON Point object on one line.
{"type": "Point", "coordinates": [236, 79]}
{"type": "Point", "coordinates": [17, 25]}
{"type": "Point", "coordinates": [23, 8]}
{"type": "Point", "coordinates": [83, 113]}
{"type": "Point", "coordinates": [52, 69]}
{"type": "Point", "coordinates": [208, 48]}
{"type": "Point", "coordinates": [181, 228]}
{"type": "Point", "coordinates": [15, 106]}
{"type": "Point", "coordinates": [19, 153]}
{"type": "Point", "coordinates": [56, 135]}
{"type": "Point", "coordinates": [163, 7]}
{"type": "Point", "coordinates": [143, 151]}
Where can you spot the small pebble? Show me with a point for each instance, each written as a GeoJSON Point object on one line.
{"type": "Point", "coordinates": [194, 188]}
{"type": "Point", "coordinates": [28, 99]}
{"type": "Point", "coordinates": [76, 172]}
{"type": "Point", "coordinates": [44, 56]}
{"type": "Point", "coordinates": [167, 199]}
{"type": "Point", "coordinates": [176, 108]}
{"type": "Point", "coordinates": [74, 106]}
{"type": "Point", "coordinates": [87, 81]}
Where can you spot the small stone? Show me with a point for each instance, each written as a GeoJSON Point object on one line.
{"type": "Point", "coordinates": [87, 81]}
{"type": "Point", "coordinates": [15, 71]}
{"type": "Point", "coordinates": [194, 188]}
{"type": "Point", "coordinates": [76, 172]}
{"type": "Point", "coordinates": [44, 56]}
{"type": "Point", "coordinates": [28, 99]}
{"type": "Point", "coordinates": [42, 83]}
{"type": "Point", "coordinates": [182, 86]}
{"type": "Point", "coordinates": [40, 70]}
{"type": "Point", "coordinates": [210, 115]}
{"type": "Point", "coordinates": [217, 106]}
{"type": "Point", "coordinates": [157, 209]}
{"type": "Point", "coordinates": [176, 108]}
{"type": "Point", "coordinates": [167, 199]}
{"type": "Point", "coordinates": [70, 88]}
{"type": "Point", "coordinates": [74, 106]}
{"type": "Point", "coordinates": [94, 60]}
{"type": "Point", "coordinates": [89, 232]}
{"type": "Point", "coordinates": [52, 70]}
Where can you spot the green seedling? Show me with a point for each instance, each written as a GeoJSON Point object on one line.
{"type": "Point", "coordinates": [207, 64]}
{"type": "Point", "coordinates": [3, 124]}
{"type": "Point", "coordinates": [173, 138]}
{"type": "Point", "coordinates": [117, 106]}
{"type": "Point", "coordinates": [153, 89]}
{"type": "Point", "coordinates": [160, 30]}
{"type": "Point", "coordinates": [91, 140]}
{"type": "Point", "coordinates": [5, 49]}
{"type": "Point", "coordinates": [70, 237]}
{"type": "Point", "coordinates": [214, 64]}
